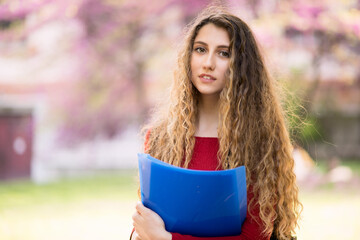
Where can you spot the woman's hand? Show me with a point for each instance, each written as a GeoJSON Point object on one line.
{"type": "Point", "coordinates": [149, 225]}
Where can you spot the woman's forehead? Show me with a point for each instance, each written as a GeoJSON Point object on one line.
{"type": "Point", "coordinates": [213, 35]}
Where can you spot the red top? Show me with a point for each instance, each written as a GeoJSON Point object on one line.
{"type": "Point", "coordinates": [205, 158]}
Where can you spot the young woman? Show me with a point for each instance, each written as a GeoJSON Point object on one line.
{"type": "Point", "coordinates": [224, 113]}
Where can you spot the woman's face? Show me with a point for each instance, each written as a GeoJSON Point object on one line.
{"type": "Point", "coordinates": [210, 59]}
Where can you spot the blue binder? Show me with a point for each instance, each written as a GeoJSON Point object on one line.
{"type": "Point", "coordinates": [194, 202]}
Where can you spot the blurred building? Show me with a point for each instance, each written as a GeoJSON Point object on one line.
{"type": "Point", "coordinates": [337, 108]}
{"type": "Point", "coordinates": [16, 142]}
{"type": "Point", "coordinates": [38, 61]}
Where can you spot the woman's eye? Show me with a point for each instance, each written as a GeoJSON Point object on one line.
{"type": "Point", "coordinates": [200, 50]}
{"type": "Point", "coordinates": [224, 54]}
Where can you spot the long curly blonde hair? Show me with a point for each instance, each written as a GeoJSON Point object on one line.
{"type": "Point", "coordinates": [252, 130]}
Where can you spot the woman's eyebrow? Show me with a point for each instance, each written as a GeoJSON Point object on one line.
{"type": "Point", "coordinates": [204, 43]}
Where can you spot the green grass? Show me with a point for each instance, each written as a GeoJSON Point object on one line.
{"type": "Point", "coordinates": [26, 193]}
{"type": "Point", "coordinates": [100, 207]}
{"type": "Point", "coordinates": [353, 164]}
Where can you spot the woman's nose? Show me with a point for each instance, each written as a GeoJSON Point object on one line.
{"type": "Point", "coordinates": [209, 62]}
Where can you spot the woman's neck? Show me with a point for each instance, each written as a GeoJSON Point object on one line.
{"type": "Point", "coordinates": [208, 116]}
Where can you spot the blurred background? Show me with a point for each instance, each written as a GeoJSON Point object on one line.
{"type": "Point", "coordinates": [78, 79]}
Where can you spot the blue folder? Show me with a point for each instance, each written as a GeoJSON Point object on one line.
{"type": "Point", "coordinates": [194, 202]}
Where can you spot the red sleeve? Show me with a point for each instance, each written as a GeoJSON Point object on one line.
{"type": "Point", "coordinates": [146, 142]}
{"type": "Point", "coordinates": [251, 230]}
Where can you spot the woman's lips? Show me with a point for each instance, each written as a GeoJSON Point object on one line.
{"type": "Point", "coordinates": [207, 78]}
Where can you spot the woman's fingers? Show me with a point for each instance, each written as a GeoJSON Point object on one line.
{"type": "Point", "coordinates": [135, 236]}
{"type": "Point", "coordinates": [142, 209]}
{"type": "Point", "coordinates": [137, 218]}
{"type": "Point", "coordinates": [145, 212]}
{"type": "Point", "coordinates": [148, 224]}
